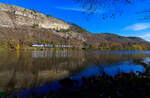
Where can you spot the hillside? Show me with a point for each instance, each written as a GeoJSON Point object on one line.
{"type": "Point", "coordinates": [23, 27]}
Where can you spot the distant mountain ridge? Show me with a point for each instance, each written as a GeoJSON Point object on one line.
{"type": "Point", "coordinates": [23, 27]}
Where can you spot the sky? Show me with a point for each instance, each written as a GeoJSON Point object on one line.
{"type": "Point", "coordinates": [130, 23]}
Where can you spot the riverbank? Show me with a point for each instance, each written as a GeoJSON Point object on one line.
{"type": "Point", "coordinates": [29, 48]}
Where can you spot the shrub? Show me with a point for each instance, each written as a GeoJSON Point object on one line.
{"type": "Point", "coordinates": [17, 47]}
{"type": "Point", "coordinates": [35, 25]}
{"type": "Point", "coordinates": [33, 10]}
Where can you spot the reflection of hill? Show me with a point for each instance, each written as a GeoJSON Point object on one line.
{"type": "Point", "coordinates": [12, 81]}
{"type": "Point", "coordinates": [113, 59]}
{"type": "Point", "coordinates": [34, 68]}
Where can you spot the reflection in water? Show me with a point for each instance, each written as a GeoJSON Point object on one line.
{"type": "Point", "coordinates": [115, 70]}
{"type": "Point", "coordinates": [41, 54]}
{"type": "Point", "coordinates": [110, 70]}
{"type": "Point", "coordinates": [36, 68]}
{"type": "Point", "coordinates": [120, 52]}
{"type": "Point", "coordinates": [50, 54]}
{"type": "Point", "coordinates": [147, 60]}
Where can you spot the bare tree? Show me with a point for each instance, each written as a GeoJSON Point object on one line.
{"type": "Point", "coordinates": [113, 7]}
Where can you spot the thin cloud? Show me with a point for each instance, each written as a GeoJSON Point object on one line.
{"type": "Point", "coordinates": [79, 9]}
{"type": "Point", "coordinates": [72, 9]}
{"type": "Point", "coordinates": [146, 36]}
{"type": "Point", "coordinates": [138, 27]}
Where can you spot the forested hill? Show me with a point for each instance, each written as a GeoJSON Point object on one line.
{"type": "Point", "coordinates": [20, 27]}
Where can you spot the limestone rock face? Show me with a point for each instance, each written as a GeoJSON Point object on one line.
{"type": "Point", "coordinates": [14, 16]}
{"type": "Point", "coordinates": [25, 27]}
{"type": "Point", "coordinates": [17, 17]}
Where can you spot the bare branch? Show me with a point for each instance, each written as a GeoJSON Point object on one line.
{"type": "Point", "coordinates": [113, 7]}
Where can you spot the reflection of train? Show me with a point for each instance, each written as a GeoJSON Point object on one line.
{"type": "Point", "coordinates": [52, 46]}
{"type": "Point", "coordinates": [41, 54]}
{"type": "Point", "coordinates": [50, 54]}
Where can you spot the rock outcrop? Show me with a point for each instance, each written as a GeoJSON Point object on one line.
{"type": "Point", "coordinates": [24, 27]}
{"type": "Point", "coordinates": [14, 16]}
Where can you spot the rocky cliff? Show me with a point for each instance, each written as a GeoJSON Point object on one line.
{"type": "Point", "coordinates": [23, 27]}
{"type": "Point", "coordinates": [34, 25]}
{"type": "Point", "coordinates": [14, 16]}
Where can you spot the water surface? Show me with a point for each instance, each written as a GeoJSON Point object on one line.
{"type": "Point", "coordinates": [26, 70]}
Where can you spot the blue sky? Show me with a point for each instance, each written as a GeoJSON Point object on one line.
{"type": "Point", "coordinates": [129, 24]}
